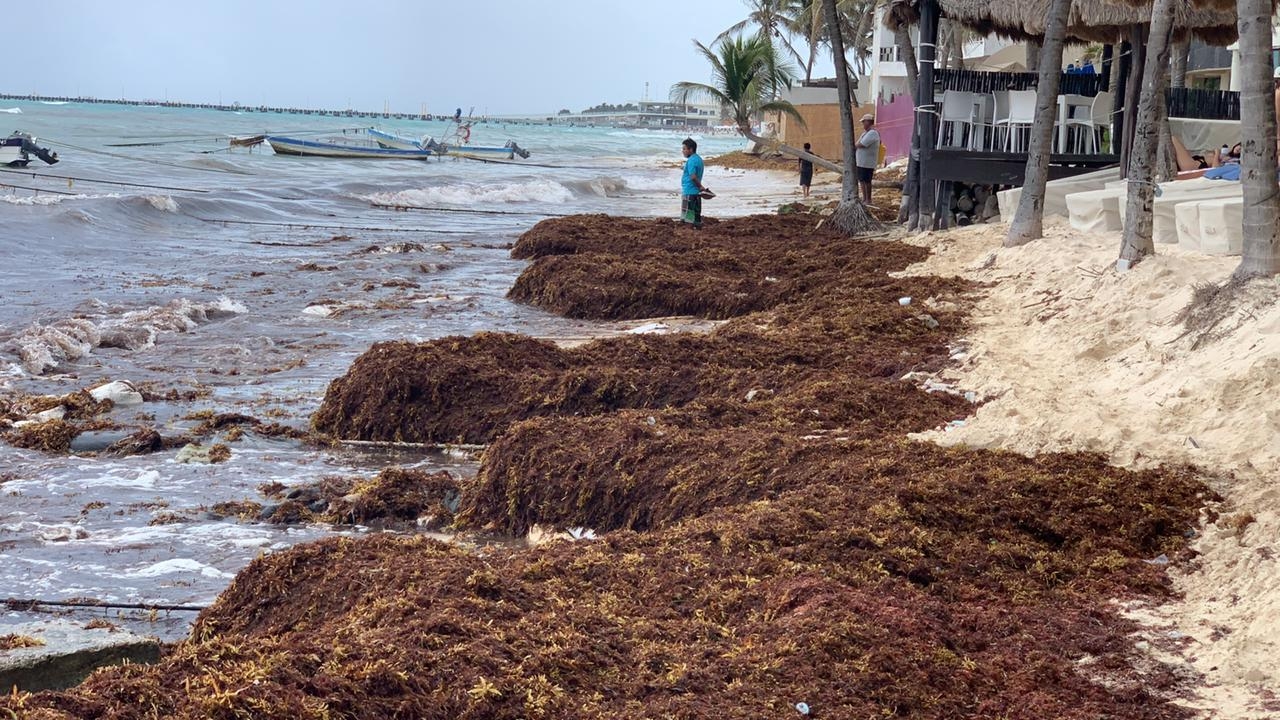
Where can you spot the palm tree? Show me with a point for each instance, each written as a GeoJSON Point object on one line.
{"type": "Point", "coordinates": [746, 77]}
{"type": "Point", "coordinates": [1137, 242]}
{"type": "Point", "coordinates": [1028, 221]}
{"type": "Point", "coordinates": [851, 215]}
{"type": "Point", "coordinates": [775, 22]}
{"type": "Point", "coordinates": [1258, 154]}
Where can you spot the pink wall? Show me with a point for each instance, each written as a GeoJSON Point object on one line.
{"type": "Point", "coordinates": [894, 120]}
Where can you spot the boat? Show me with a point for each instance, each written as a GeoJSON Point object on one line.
{"type": "Point", "coordinates": [344, 147]}
{"type": "Point", "coordinates": [17, 149]}
{"type": "Point", "coordinates": [457, 148]}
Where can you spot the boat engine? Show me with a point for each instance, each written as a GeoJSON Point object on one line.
{"type": "Point", "coordinates": [23, 146]}
{"type": "Point", "coordinates": [516, 149]}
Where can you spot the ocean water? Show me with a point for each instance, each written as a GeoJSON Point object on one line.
{"type": "Point", "coordinates": [247, 282]}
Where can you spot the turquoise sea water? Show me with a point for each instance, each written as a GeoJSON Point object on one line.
{"type": "Point", "coordinates": [254, 279]}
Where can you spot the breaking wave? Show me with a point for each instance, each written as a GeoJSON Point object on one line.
{"type": "Point", "coordinates": [543, 191]}
{"type": "Point", "coordinates": [44, 347]}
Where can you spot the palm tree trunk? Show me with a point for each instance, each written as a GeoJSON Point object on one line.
{"type": "Point", "coordinates": [851, 215]}
{"type": "Point", "coordinates": [1137, 242]}
{"type": "Point", "coordinates": [1028, 222]}
{"type": "Point", "coordinates": [773, 144]}
{"type": "Point", "coordinates": [1033, 54]}
{"type": "Point", "coordinates": [1178, 62]}
{"type": "Point", "coordinates": [1258, 154]}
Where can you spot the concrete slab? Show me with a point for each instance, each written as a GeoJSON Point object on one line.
{"type": "Point", "coordinates": [69, 653]}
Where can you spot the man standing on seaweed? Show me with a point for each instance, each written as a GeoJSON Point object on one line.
{"type": "Point", "coordinates": [691, 185]}
{"type": "Point", "coordinates": [867, 156]}
{"type": "Point", "coordinates": [806, 173]}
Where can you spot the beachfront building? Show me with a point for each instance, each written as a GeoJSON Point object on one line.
{"type": "Point", "coordinates": [888, 77]}
{"type": "Point", "coordinates": [643, 114]}
{"type": "Point", "coordinates": [1218, 68]}
{"type": "Point", "coordinates": [818, 102]}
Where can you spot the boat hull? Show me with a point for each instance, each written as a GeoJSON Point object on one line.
{"type": "Point", "coordinates": [394, 142]}
{"type": "Point", "coordinates": [319, 148]}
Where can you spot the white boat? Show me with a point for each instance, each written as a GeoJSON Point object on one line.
{"type": "Point", "coordinates": [17, 149]}
{"type": "Point", "coordinates": [344, 147]}
{"type": "Point", "coordinates": [456, 146]}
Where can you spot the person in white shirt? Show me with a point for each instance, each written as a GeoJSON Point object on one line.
{"type": "Point", "coordinates": [867, 156]}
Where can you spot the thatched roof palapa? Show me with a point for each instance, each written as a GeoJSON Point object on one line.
{"type": "Point", "coordinates": [1213, 21]}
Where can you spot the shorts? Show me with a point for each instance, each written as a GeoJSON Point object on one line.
{"type": "Point", "coordinates": [691, 209]}
{"type": "Point", "coordinates": [864, 174]}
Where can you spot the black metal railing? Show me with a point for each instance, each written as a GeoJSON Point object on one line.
{"type": "Point", "coordinates": [1203, 104]}
{"type": "Point", "coordinates": [987, 82]}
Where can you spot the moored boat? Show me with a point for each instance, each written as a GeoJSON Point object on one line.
{"type": "Point", "coordinates": [17, 149]}
{"type": "Point", "coordinates": [343, 148]}
{"type": "Point", "coordinates": [458, 147]}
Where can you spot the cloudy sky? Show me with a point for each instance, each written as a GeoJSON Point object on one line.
{"type": "Point", "coordinates": [498, 56]}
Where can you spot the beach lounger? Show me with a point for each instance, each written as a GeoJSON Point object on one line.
{"type": "Point", "coordinates": [1221, 229]}
{"type": "Point", "coordinates": [1164, 218]}
{"type": "Point", "coordinates": [1056, 192]}
{"type": "Point", "coordinates": [1096, 210]}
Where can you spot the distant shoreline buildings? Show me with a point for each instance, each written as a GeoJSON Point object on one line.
{"type": "Point", "coordinates": [643, 114]}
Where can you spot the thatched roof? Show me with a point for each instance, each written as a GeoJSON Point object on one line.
{"type": "Point", "coordinates": [1091, 20]}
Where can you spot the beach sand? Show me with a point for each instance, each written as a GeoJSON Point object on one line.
{"type": "Point", "coordinates": [1067, 354]}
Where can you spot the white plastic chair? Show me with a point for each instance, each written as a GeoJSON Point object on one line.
{"type": "Point", "coordinates": [1022, 113]}
{"type": "Point", "coordinates": [983, 121]}
{"type": "Point", "coordinates": [1000, 118]}
{"type": "Point", "coordinates": [1090, 128]}
{"type": "Point", "coordinates": [956, 119]}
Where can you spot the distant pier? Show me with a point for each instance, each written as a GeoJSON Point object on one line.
{"type": "Point", "coordinates": [234, 107]}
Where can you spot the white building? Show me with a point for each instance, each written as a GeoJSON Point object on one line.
{"type": "Point", "coordinates": [888, 76]}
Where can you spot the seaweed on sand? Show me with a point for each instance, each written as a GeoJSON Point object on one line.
{"type": "Point", "coordinates": [832, 309]}
{"type": "Point", "coordinates": [786, 545]}
{"type": "Point", "coordinates": [896, 593]}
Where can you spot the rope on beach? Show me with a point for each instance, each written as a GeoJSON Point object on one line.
{"type": "Point", "coordinates": [445, 447]}
{"type": "Point", "coordinates": [104, 182]}
{"type": "Point", "coordinates": [38, 190]}
{"type": "Point", "coordinates": [313, 226]}
{"type": "Point", "coordinates": [468, 211]}
{"type": "Point", "coordinates": [518, 163]}
{"type": "Point", "coordinates": [94, 151]}
{"type": "Point", "coordinates": [24, 604]}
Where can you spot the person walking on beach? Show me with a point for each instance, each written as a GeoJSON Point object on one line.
{"type": "Point", "coordinates": [691, 185]}
{"type": "Point", "coordinates": [866, 156]}
{"type": "Point", "coordinates": [806, 173]}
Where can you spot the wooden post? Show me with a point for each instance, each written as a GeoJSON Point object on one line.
{"type": "Point", "coordinates": [926, 112]}
{"type": "Point", "coordinates": [1119, 85]}
{"type": "Point", "coordinates": [1107, 51]}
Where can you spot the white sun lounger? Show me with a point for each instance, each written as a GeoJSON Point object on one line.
{"type": "Point", "coordinates": [1056, 192]}
{"type": "Point", "coordinates": [1096, 210]}
{"type": "Point", "coordinates": [1164, 227]}
{"type": "Point", "coordinates": [1212, 227]}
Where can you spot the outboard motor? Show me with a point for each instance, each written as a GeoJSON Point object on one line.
{"type": "Point", "coordinates": [516, 149]}
{"type": "Point", "coordinates": [27, 147]}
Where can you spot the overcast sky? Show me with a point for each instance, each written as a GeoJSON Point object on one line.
{"type": "Point", "coordinates": [500, 56]}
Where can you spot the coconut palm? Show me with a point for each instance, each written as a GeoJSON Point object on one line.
{"type": "Point", "coordinates": [1258, 154]}
{"type": "Point", "coordinates": [1137, 241]}
{"type": "Point", "coordinates": [1028, 221]}
{"type": "Point", "coordinates": [851, 215]}
{"type": "Point", "coordinates": [775, 22]}
{"type": "Point", "coordinates": [746, 77]}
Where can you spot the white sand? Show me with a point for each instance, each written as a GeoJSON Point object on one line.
{"type": "Point", "coordinates": [1072, 355]}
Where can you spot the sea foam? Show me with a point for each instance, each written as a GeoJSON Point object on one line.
{"type": "Point", "coordinates": [44, 347]}
{"type": "Point", "coordinates": [544, 191]}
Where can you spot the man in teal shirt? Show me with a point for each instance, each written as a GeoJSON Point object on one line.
{"type": "Point", "coordinates": [691, 185]}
